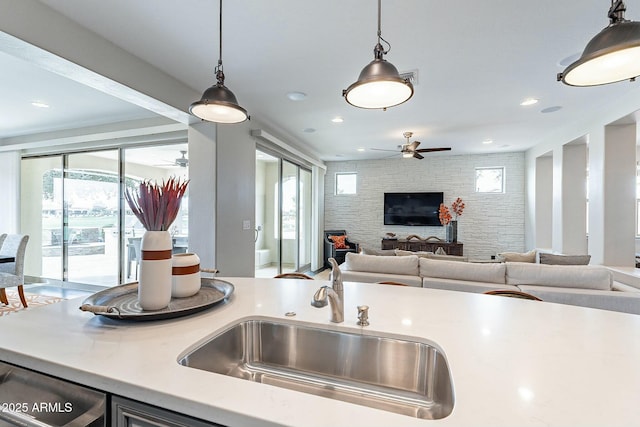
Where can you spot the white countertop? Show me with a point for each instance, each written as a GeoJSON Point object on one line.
{"type": "Point", "coordinates": [513, 362]}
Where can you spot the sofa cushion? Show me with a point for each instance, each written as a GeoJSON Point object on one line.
{"type": "Point", "coordinates": [518, 257]}
{"type": "Point", "coordinates": [367, 277]}
{"type": "Point", "coordinates": [563, 276]}
{"type": "Point", "coordinates": [555, 259]}
{"type": "Point", "coordinates": [445, 269]}
{"type": "Point", "coordinates": [426, 254]}
{"type": "Point", "coordinates": [420, 254]}
{"type": "Point", "coordinates": [626, 302]}
{"type": "Point", "coordinates": [464, 285]}
{"type": "Point", "coordinates": [371, 251]}
{"type": "Point", "coordinates": [447, 257]}
{"type": "Point", "coordinates": [382, 264]}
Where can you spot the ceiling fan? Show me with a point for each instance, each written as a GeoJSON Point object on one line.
{"type": "Point", "coordinates": [410, 149]}
{"type": "Point", "coordinates": [182, 162]}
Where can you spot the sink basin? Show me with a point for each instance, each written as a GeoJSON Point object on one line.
{"type": "Point", "coordinates": [401, 376]}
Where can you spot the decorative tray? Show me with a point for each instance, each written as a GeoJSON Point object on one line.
{"type": "Point", "coordinates": [121, 302]}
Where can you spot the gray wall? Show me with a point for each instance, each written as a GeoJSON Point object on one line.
{"type": "Point", "coordinates": [235, 202]}
{"type": "Point", "coordinates": [491, 223]}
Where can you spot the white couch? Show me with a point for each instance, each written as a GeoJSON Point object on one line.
{"type": "Point", "coordinates": [583, 285]}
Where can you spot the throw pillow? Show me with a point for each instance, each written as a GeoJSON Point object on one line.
{"type": "Point", "coordinates": [339, 242]}
{"type": "Point", "coordinates": [380, 252]}
{"type": "Point", "coordinates": [518, 257]}
{"type": "Point", "coordinates": [555, 259]}
{"type": "Point", "coordinates": [419, 254]}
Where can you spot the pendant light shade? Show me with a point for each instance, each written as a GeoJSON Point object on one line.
{"type": "Point", "coordinates": [611, 56]}
{"type": "Point", "coordinates": [379, 84]}
{"type": "Point", "coordinates": [218, 104]}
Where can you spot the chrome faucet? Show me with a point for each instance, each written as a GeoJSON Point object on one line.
{"type": "Point", "coordinates": [335, 294]}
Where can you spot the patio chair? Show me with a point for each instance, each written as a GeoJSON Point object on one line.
{"type": "Point", "coordinates": [12, 273]}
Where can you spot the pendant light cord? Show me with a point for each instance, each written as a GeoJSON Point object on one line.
{"type": "Point", "coordinates": [384, 52]}
{"type": "Point", "coordinates": [219, 71]}
{"type": "Point", "coordinates": [220, 41]}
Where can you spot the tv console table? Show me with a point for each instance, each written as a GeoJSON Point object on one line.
{"type": "Point", "coordinates": [422, 245]}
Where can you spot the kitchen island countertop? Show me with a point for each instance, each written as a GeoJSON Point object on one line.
{"type": "Point", "coordinates": [513, 362]}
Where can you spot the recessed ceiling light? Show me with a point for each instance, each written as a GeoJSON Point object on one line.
{"type": "Point", "coordinates": [40, 104]}
{"type": "Point", "coordinates": [296, 96]}
{"type": "Point", "coordinates": [551, 109]}
{"type": "Point", "coordinates": [488, 141]}
{"type": "Point", "coordinates": [337, 120]}
{"type": "Point", "coordinates": [309, 130]}
{"type": "Point", "coordinates": [360, 149]}
{"type": "Point", "coordinates": [529, 101]}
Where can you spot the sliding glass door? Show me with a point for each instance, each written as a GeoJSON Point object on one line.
{"type": "Point", "coordinates": [283, 216]}
{"type": "Point", "coordinates": [72, 206]}
{"type": "Point", "coordinates": [90, 218]}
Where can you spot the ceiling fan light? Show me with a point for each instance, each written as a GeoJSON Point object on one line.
{"type": "Point", "coordinates": [407, 154]}
{"type": "Point", "coordinates": [379, 86]}
{"type": "Point", "coordinates": [218, 104]}
{"type": "Point", "coordinates": [611, 56]}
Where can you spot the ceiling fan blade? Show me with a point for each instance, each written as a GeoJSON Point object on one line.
{"type": "Point", "coordinates": [429, 150]}
{"type": "Point", "coordinates": [418, 155]}
{"type": "Point", "coordinates": [382, 149]}
{"type": "Point", "coordinates": [412, 146]}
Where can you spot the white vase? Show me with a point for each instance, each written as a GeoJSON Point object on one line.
{"type": "Point", "coordinates": [185, 275]}
{"type": "Point", "coordinates": [154, 280]}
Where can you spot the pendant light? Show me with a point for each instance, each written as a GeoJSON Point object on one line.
{"type": "Point", "coordinates": [218, 104]}
{"type": "Point", "coordinates": [379, 84]}
{"type": "Point", "coordinates": [611, 56]}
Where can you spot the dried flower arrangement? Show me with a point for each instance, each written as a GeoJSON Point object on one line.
{"type": "Point", "coordinates": [444, 214]}
{"type": "Point", "coordinates": [156, 206]}
{"type": "Point", "coordinates": [457, 207]}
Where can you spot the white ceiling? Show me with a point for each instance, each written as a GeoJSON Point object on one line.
{"type": "Point", "coordinates": [476, 61]}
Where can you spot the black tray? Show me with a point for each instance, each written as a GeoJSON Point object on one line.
{"type": "Point", "coordinates": [121, 302]}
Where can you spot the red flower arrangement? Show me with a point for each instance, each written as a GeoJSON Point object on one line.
{"type": "Point", "coordinates": [457, 207]}
{"type": "Point", "coordinates": [444, 214]}
{"type": "Point", "coordinates": [156, 206]}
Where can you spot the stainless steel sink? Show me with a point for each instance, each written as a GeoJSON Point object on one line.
{"type": "Point", "coordinates": [400, 376]}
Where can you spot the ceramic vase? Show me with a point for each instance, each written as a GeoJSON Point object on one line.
{"type": "Point", "coordinates": [154, 281]}
{"type": "Point", "coordinates": [185, 273]}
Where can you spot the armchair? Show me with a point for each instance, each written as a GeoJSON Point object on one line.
{"type": "Point", "coordinates": [330, 250]}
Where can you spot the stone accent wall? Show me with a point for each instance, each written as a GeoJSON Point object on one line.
{"type": "Point", "coordinates": [491, 223]}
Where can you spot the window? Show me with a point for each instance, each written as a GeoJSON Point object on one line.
{"type": "Point", "coordinates": [346, 183]}
{"type": "Point", "coordinates": [490, 180]}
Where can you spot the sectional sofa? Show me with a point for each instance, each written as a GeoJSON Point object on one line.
{"type": "Point", "coordinates": [582, 285]}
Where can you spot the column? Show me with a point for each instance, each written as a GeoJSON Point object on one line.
{"type": "Point", "coordinates": [574, 199]}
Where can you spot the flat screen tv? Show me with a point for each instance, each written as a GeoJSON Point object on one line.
{"type": "Point", "coordinates": [412, 208]}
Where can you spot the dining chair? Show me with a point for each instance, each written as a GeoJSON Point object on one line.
{"type": "Point", "coordinates": [134, 244]}
{"type": "Point", "coordinates": [387, 282]}
{"type": "Point", "coordinates": [12, 273]}
{"type": "Point", "coordinates": [513, 294]}
{"type": "Point", "coordinates": [293, 276]}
